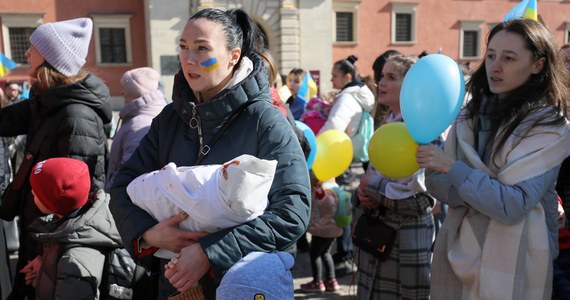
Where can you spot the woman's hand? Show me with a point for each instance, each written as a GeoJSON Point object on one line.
{"type": "Point", "coordinates": [365, 201]}
{"type": "Point", "coordinates": [168, 235]}
{"type": "Point", "coordinates": [431, 157]}
{"type": "Point", "coordinates": [185, 270]}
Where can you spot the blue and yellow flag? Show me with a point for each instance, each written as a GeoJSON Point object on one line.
{"type": "Point", "coordinates": [527, 9]}
{"type": "Point", "coordinates": [6, 64]}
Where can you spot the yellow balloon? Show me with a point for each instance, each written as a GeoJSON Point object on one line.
{"type": "Point", "coordinates": [334, 154]}
{"type": "Point", "coordinates": [392, 151]}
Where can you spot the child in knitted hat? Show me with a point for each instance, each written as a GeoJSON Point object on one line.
{"type": "Point", "coordinates": [259, 275]}
{"type": "Point", "coordinates": [60, 185]}
{"type": "Point", "coordinates": [61, 189]}
{"type": "Point", "coordinates": [214, 196]}
{"type": "Point", "coordinates": [143, 102]}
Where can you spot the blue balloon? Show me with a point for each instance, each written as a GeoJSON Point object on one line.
{"type": "Point", "coordinates": [431, 96]}
{"type": "Point", "coordinates": [312, 139]}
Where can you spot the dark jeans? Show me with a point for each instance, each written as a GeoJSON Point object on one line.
{"type": "Point", "coordinates": [561, 284]}
{"type": "Point", "coordinates": [320, 251]}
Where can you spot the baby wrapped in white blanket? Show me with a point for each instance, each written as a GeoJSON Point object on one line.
{"type": "Point", "coordinates": [214, 196]}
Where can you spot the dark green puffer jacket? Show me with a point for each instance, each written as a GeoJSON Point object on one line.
{"type": "Point", "coordinates": [261, 130]}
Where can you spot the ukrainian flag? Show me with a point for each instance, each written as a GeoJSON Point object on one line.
{"type": "Point", "coordinates": [6, 64]}
{"type": "Point", "coordinates": [307, 90]}
{"type": "Point", "coordinates": [526, 10]}
{"type": "Point", "coordinates": [531, 12]}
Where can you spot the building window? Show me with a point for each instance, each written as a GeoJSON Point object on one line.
{"type": "Point", "coordinates": [403, 24]}
{"type": "Point", "coordinates": [344, 27]}
{"type": "Point", "coordinates": [113, 45]}
{"type": "Point", "coordinates": [19, 43]}
{"type": "Point", "coordinates": [112, 39]}
{"type": "Point", "coordinates": [345, 16]}
{"type": "Point", "coordinates": [470, 40]}
{"type": "Point", "coordinates": [403, 27]}
{"type": "Point", "coordinates": [16, 30]}
{"type": "Point", "coordinates": [470, 43]}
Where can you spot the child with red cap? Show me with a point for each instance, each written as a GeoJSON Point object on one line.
{"type": "Point", "coordinates": [61, 190]}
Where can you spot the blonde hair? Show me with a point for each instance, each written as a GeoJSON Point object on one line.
{"type": "Point", "coordinates": [47, 77]}
{"type": "Point", "coordinates": [402, 62]}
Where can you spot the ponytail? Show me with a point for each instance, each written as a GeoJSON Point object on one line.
{"type": "Point", "coordinates": [239, 29]}
{"type": "Point", "coordinates": [252, 39]}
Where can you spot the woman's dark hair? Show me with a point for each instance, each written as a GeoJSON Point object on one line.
{"type": "Point", "coordinates": [545, 89]}
{"type": "Point", "coordinates": [380, 61]}
{"type": "Point", "coordinates": [239, 29]}
{"type": "Point", "coordinates": [346, 66]}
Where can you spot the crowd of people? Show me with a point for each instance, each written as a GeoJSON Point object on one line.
{"type": "Point", "coordinates": [212, 189]}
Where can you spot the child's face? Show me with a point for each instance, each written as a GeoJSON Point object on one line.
{"type": "Point", "coordinates": [293, 83]}
{"type": "Point", "coordinates": [40, 206]}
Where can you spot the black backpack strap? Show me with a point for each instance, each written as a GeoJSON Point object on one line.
{"type": "Point", "coordinates": [31, 155]}
{"type": "Point", "coordinates": [104, 286]}
{"type": "Point", "coordinates": [225, 126]}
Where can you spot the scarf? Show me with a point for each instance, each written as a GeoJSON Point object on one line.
{"type": "Point", "coordinates": [477, 257]}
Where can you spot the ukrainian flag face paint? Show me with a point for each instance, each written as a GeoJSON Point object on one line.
{"type": "Point", "coordinates": [210, 64]}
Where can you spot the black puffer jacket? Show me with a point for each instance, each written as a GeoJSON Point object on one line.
{"type": "Point", "coordinates": [76, 115]}
{"type": "Point", "coordinates": [261, 130]}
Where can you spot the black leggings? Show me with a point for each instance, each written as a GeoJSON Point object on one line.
{"type": "Point", "coordinates": [321, 250]}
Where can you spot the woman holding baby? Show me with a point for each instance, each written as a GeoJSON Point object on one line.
{"type": "Point", "coordinates": [221, 72]}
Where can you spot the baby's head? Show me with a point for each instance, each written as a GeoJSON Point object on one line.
{"type": "Point", "coordinates": [60, 185]}
{"type": "Point", "coordinates": [244, 177]}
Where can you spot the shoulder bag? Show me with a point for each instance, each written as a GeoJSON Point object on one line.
{"type": "Point", "coordinates": [374, 236]}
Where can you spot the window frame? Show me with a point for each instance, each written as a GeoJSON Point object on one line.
{"type": "Point", "coordinates": [120, 21]}
{"type": "Point", "coordinates": [471, 26]}
{"type": "Point", "coordinates": [17, 20]}
{"type": "Point", "coordinates": [347, 6]}
{"type": "Point", "coordinates": [403, 8]}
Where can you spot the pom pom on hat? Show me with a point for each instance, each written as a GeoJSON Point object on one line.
{"type": "Point", "coordinates": [259, 274]}
{"type": "Point", "coordinates": [61, 184]}
{"type": "Point", "coordinates": [141, 81]}
{"type": "Point", "coordinates": [64, 44]}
